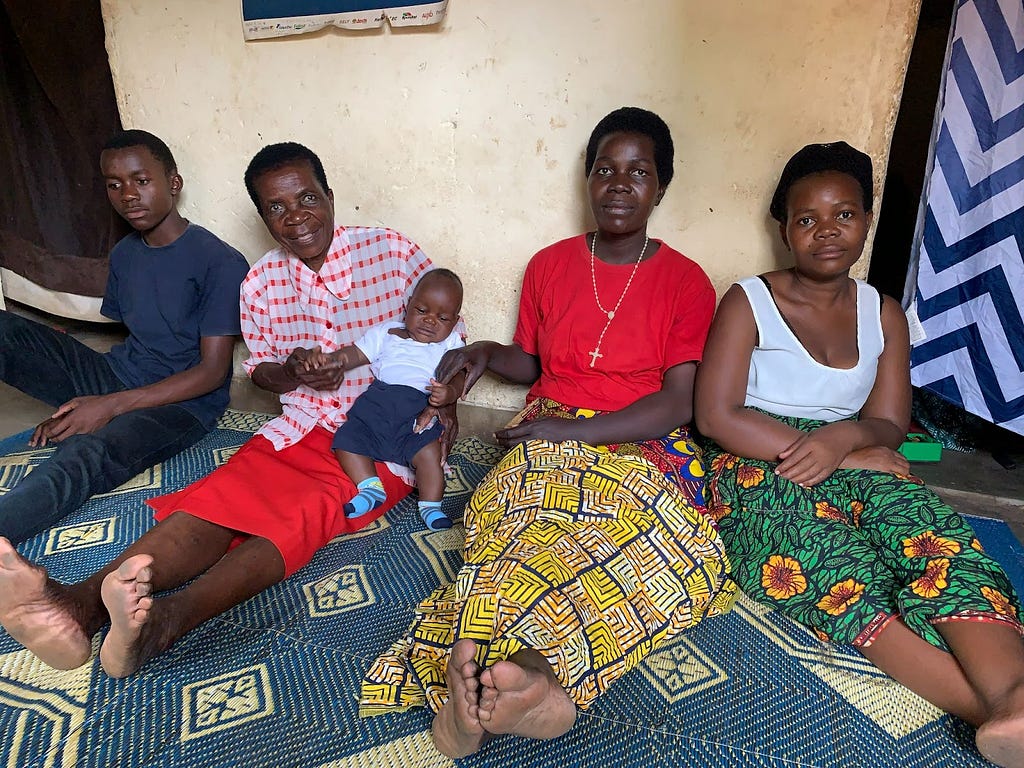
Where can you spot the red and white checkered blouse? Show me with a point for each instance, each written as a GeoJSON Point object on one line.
{"type": "Point", "coordinates": [365, 279]}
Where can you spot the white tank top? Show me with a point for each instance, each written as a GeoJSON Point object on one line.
{"type": "Point", "coordinates": [785, 380]}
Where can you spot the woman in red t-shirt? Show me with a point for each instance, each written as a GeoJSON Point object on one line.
{"type": "Point", "coordinates": [587, 545]}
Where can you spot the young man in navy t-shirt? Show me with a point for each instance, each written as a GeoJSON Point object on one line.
{"type": "Point", "coordinates": [175, 286]}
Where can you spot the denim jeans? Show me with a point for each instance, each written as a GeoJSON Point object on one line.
{"type": "Point", "coordinates": [54, 367]}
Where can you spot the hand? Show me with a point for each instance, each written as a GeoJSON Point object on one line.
{"type": "Point", "coordinates": [813, 456]}
{"type": "Point", "coordinates": [298, 361]}
{"type": "Point", "coordinates": [80, 416]}
{"type": "Point", "coordinates": [877, 458]}
{"type": "Point", "coordinates": [43, 432]}
{"type": "Point", "coordinates": [425, 419]}
{"type": "Point", "coordinates": [314, 369]}
{"type": "Point", "coordinates": [552, 428]}
{"type": "Point", "coordinates": [473, 359]}
{"type": "Point", "coordinates": [441, 394]}
{"type": "Point", "coordinates": [448, 417]}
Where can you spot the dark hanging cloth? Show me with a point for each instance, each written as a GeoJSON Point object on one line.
{"type": "Point", "coordinates": [57, 108]}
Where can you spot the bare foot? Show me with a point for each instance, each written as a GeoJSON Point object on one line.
{"type": "Point", "coordinates": [523, 696]}
{"type": "Point", "coordinates": [39, 613]}
{"type": "Point", "coordinates": [135, 636]}
{"type": "Point", "coordinates": [456, 728]}
{"type": "Point", "coordinates": [1001, 738]}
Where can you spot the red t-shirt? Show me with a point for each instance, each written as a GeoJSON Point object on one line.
{"type": "Point", "coordinates": [663, 321]}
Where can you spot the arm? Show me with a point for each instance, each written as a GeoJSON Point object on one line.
{"type": "Point", "coordinates": [308, 367]}
{"type": "Point", "coordinates": [721, 386]}
{"type": "Point", "coordinates": [881, 424]}
{"type": "Point", "coordinates": [263, 364]}
{"type": "Point", "coordinates": [652, 416]}
{"type": "Point", "coordinates": [804, 458]}
{"type": "Point", "coordinates": [87, 414]}
{"type": "Point", "coordinates": [885, 416]}
{"type": "Point", "coordinates": [508, 361]}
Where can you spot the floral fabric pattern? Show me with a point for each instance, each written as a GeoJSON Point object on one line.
{"type": "Point", "coordinates": [847, 556]}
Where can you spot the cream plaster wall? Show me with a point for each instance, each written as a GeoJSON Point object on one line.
{"type": "Point", "coordinates": [469, 136]}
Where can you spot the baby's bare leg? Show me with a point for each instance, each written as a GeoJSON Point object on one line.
{"type": "Point", "coordinates": [369, 489]}
{"type": "Point", "coordinates": [429, 473]}
{"type": "Point", "coordinates": [357, 467]}
{"type": "Point", "coordinates": [430, 482]}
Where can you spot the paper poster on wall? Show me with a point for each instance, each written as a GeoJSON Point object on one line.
{"type": "Point", "coordinates": [277, 18]}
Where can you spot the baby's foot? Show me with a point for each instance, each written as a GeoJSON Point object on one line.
{"type": "Point", "coordinates": [370, 496]}
{"type": "Point", "coordinates": [433, 517]}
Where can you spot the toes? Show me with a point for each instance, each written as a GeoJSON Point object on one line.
{"type": "Point", "coordinates": [463, 653]}
{"type": "Point", "coordinates": [488, 698]}
{"type": "Point", "coordinates": [133, 568]}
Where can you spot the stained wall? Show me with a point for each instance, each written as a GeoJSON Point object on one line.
{"type": "Point", "coordinates": [469, 136]}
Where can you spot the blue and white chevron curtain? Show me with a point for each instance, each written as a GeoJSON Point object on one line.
{"type": "Point", "coordinates": [965, 303]}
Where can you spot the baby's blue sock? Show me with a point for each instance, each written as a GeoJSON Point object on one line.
{"type": "Point", "coordinates": [371, 495]}
{"type": "Point", "coordinates": [432, 515]}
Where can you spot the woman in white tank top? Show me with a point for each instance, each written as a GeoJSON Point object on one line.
{"type": "Point", "coordinates": [804, 393]}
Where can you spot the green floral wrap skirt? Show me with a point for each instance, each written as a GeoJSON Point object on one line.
{"type": "Point", "coordinates": [851, 554]}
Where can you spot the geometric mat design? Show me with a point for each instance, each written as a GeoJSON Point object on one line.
{"type": "Point", "coordinates": [274, 682]}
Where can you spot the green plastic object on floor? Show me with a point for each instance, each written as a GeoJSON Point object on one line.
{"type": "Point", "coordinates": [921, 447]}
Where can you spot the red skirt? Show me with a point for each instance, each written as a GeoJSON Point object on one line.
{"type": "Point", "coordinates": [293, 497]}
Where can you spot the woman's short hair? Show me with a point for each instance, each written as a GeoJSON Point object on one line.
{"type": "Point", "coordinates": [643, 122]}
{"type": "Point", "coordinates": [274, 156]}
{"type": "Point", "coordinates": [835, 156]}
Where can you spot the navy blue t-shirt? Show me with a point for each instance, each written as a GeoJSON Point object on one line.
{"type": "Point", "coordinates": [169, 298]}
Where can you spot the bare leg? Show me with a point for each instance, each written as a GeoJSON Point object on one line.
{"type": "Point", "coordinates": [456, 728]}
{"type": "Point", "coordinates": [56, 621]}
{"type": "Point", "coordinates": [429, 475]}
{"type": "Point", "coordinates": [992, 657]}
{"type": "Point", "coordinates": [142, 627]}
{"type": "Point", "coordinates": [430, 483]}
{"type": "Point", "coordinates": [357, 467]}
{"type": "Point", "coordinates": [928, 671]}
{"type": "Point", "coordinates": [523, 696]}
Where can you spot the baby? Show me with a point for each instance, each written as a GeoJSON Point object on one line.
{"type": "Point", "coordinates": [402, 357]}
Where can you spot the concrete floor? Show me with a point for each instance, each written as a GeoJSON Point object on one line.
{"type": "Point", "coordinates": [974, 483]}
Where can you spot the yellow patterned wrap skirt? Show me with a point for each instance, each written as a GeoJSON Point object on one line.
{"type": "Point", "coordinates": [590, 558]}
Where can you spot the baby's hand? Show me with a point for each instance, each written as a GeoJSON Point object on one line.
{"type": "Point", "coordinates": [334, 359]}
{"type": "Point", "coordinates": [441, 394]}
{"type": "Point", "coordinates": [304, 359]}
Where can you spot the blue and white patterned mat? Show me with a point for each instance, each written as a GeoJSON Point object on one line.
{"type": "Point", "coordinates": [274, 682]}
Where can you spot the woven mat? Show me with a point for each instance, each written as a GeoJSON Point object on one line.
{"type": "Point", "coordinates": [274, 682]}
